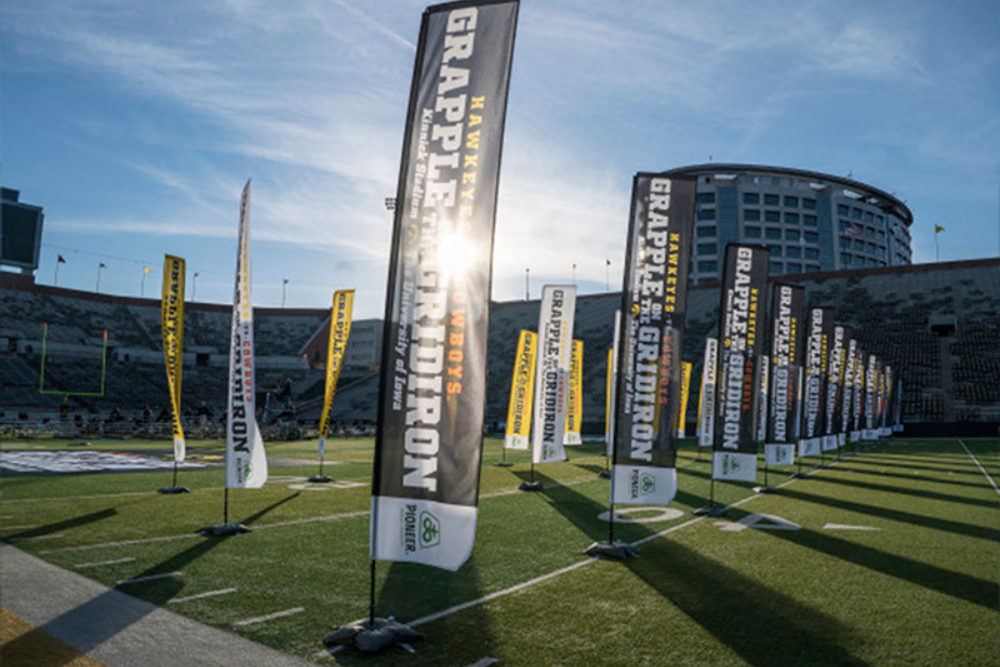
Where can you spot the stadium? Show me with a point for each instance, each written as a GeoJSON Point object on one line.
{"type": "Point", "coordinates": [199, 482]}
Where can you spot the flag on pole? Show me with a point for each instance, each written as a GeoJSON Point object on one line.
{"type": "Point", "coordinates": [555, 333]}
{"type": "Point", "coordinates": [172, 330]}
{"type": "Point", "coordinates": [60, 260]}
{"type": "Point", "coordinates": [706, 402]}
{"type": "Point", "coordinates": [938, 229]}
{"type": "Point", "coordinates": [787, 321]}
{"type": "Point", "coordinates": [246, 463]}
{"type": "Point", "coordinates": [522, 385]}
{"type": "Point", "coordinates": [654, 302]}
{"type": "Point", "coordinates": [818, 328]}
{"type": "Point", "coordinates": [741, 300]}
{"type": "Point", "coordinates": [834, 368]}
{"type": "Point", "coordinates": [336, 346]}
{"type": "Point", "coordinates": [428, 443]}
{"type": "Point", "coordinates": [574, 399]}
{"type": "Point", "coordinates": [685, 394]}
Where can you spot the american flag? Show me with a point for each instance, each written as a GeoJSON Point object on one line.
{"type": "Point", "coordinates": [853, 230]}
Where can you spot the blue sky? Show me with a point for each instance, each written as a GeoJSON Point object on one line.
{"type": "Point", "coordinates": [135, 125]}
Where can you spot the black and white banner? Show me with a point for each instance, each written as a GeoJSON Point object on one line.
{"type": "Point", "coordinates": [654, 301]}
{"type": "Point", "coordinates": [429, 435]}
{"type": "Point", "coordinates": [858, 394]}
{"type": "Point", "coordinates": [834, 377]}
{"type": "Point", "coordinates": [555, 345]}
{"type": "Point", "coordinates": [706, 401]}
{"type": "Point", "coordinates": [742, 298]}
{"type": "Point", "coordinates": [788, 309]}
{"type": "Point", "coordinates": [847, 383]}
{"type": "Point", "coordinates": [819, 328]}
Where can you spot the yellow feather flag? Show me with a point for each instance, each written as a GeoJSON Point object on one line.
{"type": "Point", "coordinates": [574, 398]}
{"type": "Point", "coordinates": [172, 329]}
{"type": "Point", "coordinates": [336, 345]}
{"type": "Point", "coordinates": [522, 389]}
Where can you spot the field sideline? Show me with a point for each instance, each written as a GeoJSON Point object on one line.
{"type": "Point", "coordinates": [888, 557]}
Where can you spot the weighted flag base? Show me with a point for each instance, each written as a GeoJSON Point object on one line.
{"type": "Point", "coordinates": [317, 479]}
{"type": "Point", "coordinates": [604, 474]}
{"type": "Point", "coordinates": [369, 638]}
{"type": "Point", "coordinates": [800, 475]}
{"type": "Point", "coordinates": [223, 530]}
{"type": "Point", "coordinates": [823, 466]}
{"type": "Point", "coordinates": [503, 464]}
{"type": "Point", "coordinates": [701, 460]}
{"type": "Point", "coordinates": [173, 489]}
{"type": "Point", "coordinates": [711, 510]}
{"type": "Point", "coordinates": [530, 486]}
{"type": "Point", "coordinates": [617, 550]}
{"type": "Point", "coordinates": [765, 489]}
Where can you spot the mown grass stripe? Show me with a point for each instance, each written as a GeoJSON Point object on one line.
{"type": "Point", "coordinates": [980, 466]}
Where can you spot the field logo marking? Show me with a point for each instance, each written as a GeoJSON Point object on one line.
{"type": "Point", "coordinates": [758, 521]}
{"type": "Point", "coordinates": [980, 466]}
{"type": "Point", "coordinates": [430, 530]}
{"type": "Point", "coordinates": [662, 514]}
{"type": "Point", "coordinates": [647, 484]}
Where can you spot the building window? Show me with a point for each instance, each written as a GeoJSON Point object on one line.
{"type": "Point", "coordinates": [856, 213]}
{"type": "Point", "coordinates": [859, 245]}
{"type": "Point", "coordinates": [812, 267]}
{"type": "Point", "coordinates": [809, 203]}
{"type": "Point", "coordinates": [845, 259]}
{"type": "Point", "coordinates": [776, 250]}
{"type": "Point", "coordinates": [791, 202]}
{"type": "Point", "coordinates": [793, 251]}
{"type": "Point", "coordinates": [881, 235]}
{"type": "Point", "coordinates": [705, 197]}
{"type": "Point", "coordinates": [705, 232]}
{"type": "Point", "coordinates": [880, 219]}
{"type": "Point", "coordinates": [794, 267]}
{"type": "Point", "coordinates": [791, 218]}
{"type": "Point", "coordinates": [776, 268]}
{"type": "Point", "coordinates": [706, 214]}
{"type": "Point", "coordinates": [771, 200]}
{"type": "Point", "coordinates": [812, 253]}
{"type": "Point", "coordinates": [707, 267]}
{"type": "Point", "coordinates": [751, 214]}
{"type": "Point", "coordinates": [843, 210]}
{"type": "Point", "coordinates": [845, 243]}
{"type": "Point", "coordinates": [751, 198]}
{"type": "Point", "coordinates": [870, 247]}
{"type": "Point", "coordinates": [791, 235]}
{"type": "Point", "coordinates": [868, 216]}
{"type": "Point", "coordinates": [772, 233]}
{"type": "Point", "coordinates": [706, 248]}
{"type": "Point", "coordinates": [809, 220]}
{"type": "Point", "coordinates": [772, 216]}
{"type": "Point", "coordinates": [810, 237]}
{"type": "Point", "coordinates": [752, 232]}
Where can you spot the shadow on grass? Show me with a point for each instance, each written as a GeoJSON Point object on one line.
{"type": "Point", "coordinates": [919, 493]}
{"type": "Point", "coordinates": [107, 614]}
{"type": "Point", "coordinates": [920, 478]}
{"type": "Point", "coordinates": [947, 525]}
{"type": "Point", "coordinates": [53, 528]}
{"type": "Point", "coordinates": [948, 582]}
{"type": "Point", "coordinates": [763, 626]}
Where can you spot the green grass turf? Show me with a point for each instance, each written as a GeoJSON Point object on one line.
{"type": "Point", "coordinates": [923, 589]}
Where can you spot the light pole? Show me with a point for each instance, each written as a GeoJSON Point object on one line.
{"type": "Point", "coordinates": [527, 285]}
{"type": "Point", "coordinates": [142, 285]}
{"type": "Point", "coordinates": [574, 274]}
{"type": "Point", "coordinates": [283, 283]}
{"type": "Point", "coordinates": [194, 287]}
{"type": "Point", "coordinates": [100, 265]}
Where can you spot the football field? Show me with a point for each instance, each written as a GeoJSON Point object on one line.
{"type": "Point", "coordinates": [888, 557]}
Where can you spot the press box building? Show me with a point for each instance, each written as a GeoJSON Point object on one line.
{"type": "Point", "coordinates": [809, 220]}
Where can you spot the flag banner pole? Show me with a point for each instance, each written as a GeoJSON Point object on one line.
{"type": "Point", "coordinates": [555, 343]}
{"type": "Point", "coordinates": [574, 396]}
{"type": "Point", "coordinates": [787, 322]}
{"type": "Point", "coordinates": [706, 400]}
{"type": "Point", "coordinates": [815, 364]}
{"type": "Point", "coordinates": [742, 298]}
{"type": "Point", "coordinates": [839, 349]}
{"type": "Point", "coordinates": [336, 346]}
{"type": "Point", "coordinates": [172, 330]}
{"type": "Point", "coordinates": [654, 303]}
{"type": "Point", "coordinates": [246, 461]}
{"type": "Point", "coordinates": [432, 388]}
{"type": "Point", "coordinates": [517, 430]}
{"type": "Point", "coordinates": [611, 389]}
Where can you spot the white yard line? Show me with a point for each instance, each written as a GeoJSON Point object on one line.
{"type": "Point", "coordinates": [34, 537]}
{"type": "Point", "coordinates": [122, 543]}
{"type": "Point", "coordinates": [199, 596]}
{"type": "Point", "coordinates": [981, 469]}
{"type": "Point", "coordinates": [149, 577]}
{"type": "Point", "coordinates": [269, 617]}
{"type": "Point", "coordinates": [844, 526]}
{"type": "Point", "coordinates": [24, 527]}
{"type": "Point", "coordinates": [114, 561]}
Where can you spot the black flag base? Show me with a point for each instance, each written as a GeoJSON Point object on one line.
{"type": "Point", "coordinates": [173, 489]}
{"type": "Point", "coordinates": [765, 489]}
{"type": "Point", "coordinates": [711, 510]}
{"type": "Point", "coordinates": [320, 479]}
{"type": "Point", "coordinates": [530, 486]}
{"type": "Point", "coordinates": [223, 530]}
{"type": "Point", "coordinates": [364, 636]}
{"type": "Point", "coordinates": [617, 549]}
{"type": "Point", "coordinates": [604, 474]}
{"type": "Point", "coordinates": [503, 464]}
